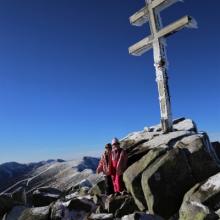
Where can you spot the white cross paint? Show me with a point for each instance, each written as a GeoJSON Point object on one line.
{"type": "Point", "coordinates": [151, 13]}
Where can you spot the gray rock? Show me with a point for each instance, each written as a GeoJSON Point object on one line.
{"type": "Point", "coordinates": [216, 146]}
{"type": "Point", "coordinates": [132, 176]}
{"type": "Point", "coordinates": [70, 196]}
{"type": "Point", "coordinates": [97, 199]}
{"type": "Point", "coordinates": [165, 182]}
{"type": "Point", "coordinates": [195, 149]}
{"type": "Point", "coordinates": [218, 212]}
{"type": "Point", "coordinates": [82, 204]}
{"type": "Point", "coordinates": [133, 142]}
{"type": "Point", "coordinates": [57, 211]}
{"type": "Point", "coordinates": [84, 190]}
{"type": "Point", "coordinates": [137, 144]}
{"type": "Point", "coordinates": [141, 216]}
{"type": "Point", "coordinates": [99, 188]}
{"type": "Point", "coordinates": [6, 204]}
{"type": "Point", "coordinates": [120, 205]}
{"type": "Point", "coordinates": [100, 209]}
{"type": "Point", "coordinates": [185, 125]}
{"type": "Point", "coordinates": [15, 213]}
{"type": "Point", "coordinates": [126, 208]}
{"type": "Point", "coordinates": [40, 213]}
{"type": "Point", "coordinates": [103, 216]}
{"type": "Point", "coordinates": [202, 200]}
{"type": "Point", "coordinates": [198, 148]}
{"type": "Point", "coordinates": [180, 124]}
{"type": "Point", "coordinates": [136, 152]}
{"type": "Point", "coordinates": [44, 196]}
{"type": "Point", "coordinates": [113, 203]}
{"type": "Point", "coordinates": [137, 138]}
{"type": "Point", "coordinates": [168, 139]}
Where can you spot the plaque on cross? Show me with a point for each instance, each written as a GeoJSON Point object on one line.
{"type": "Point", "coordinates": [151, 13]}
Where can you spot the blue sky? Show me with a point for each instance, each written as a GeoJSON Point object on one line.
{"type": "Point", "coordinates": [68, 84]}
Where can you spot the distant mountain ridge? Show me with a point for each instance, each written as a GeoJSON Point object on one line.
{"type": "Point", "coordinates": [44, 171]}
{"type": "Point", "coordinates": [11, 172]}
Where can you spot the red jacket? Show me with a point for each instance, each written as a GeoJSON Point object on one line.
{"type": "Point", "coordinates": [119, 161]}
{"type": "Point", "coordinates": [105, 164]}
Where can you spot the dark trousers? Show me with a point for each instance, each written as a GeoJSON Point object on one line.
{"type": "Point", "coordinates": [109, 185]}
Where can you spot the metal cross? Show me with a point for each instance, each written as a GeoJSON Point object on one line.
{"type": "Point", "coordinates": [151, 13]}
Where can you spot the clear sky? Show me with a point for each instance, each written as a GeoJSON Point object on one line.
{"type": "Point", "coordinates": [68, 84]}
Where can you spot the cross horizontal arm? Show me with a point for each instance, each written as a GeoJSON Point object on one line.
{"type": "Point", "coordinates": [146, 44]}
{"type": "Point", "coordinates": [141, 47]}
{"type": "Point", "coordinates": [176, 26]}
{"type": "Point", "coordinates": [162, 4]}
{"type": "Point", "coordinates": [140, 17]}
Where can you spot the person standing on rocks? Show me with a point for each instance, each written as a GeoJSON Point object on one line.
{"type": "Point", "coordinates": [105, 166]}
{"type": "Point", "coordinates": [119, 165]}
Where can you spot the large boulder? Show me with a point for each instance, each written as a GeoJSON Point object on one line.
{"type": "Point", "coordinates": [40, 213]}
{"type": "Point", "coordinates": [100, 202]}
{"type": "Point", "coordinates": [216, 146]}
{"type": "Point", "coordinates": [99, 188]}
{"type": "Point", "coordinates": [137, 144]}
{"type": "Point", "coordinates": [141, 216]}
{"type": "Point", "coordinates": [198, 148]}
{"type": "Point", "coordinates": [179, 124]}
{"type": "Point", "coordinates": [127, 207]}
{"type": "Point", "coordinates": [169, 168]}
{"type": "Point", "coordinates": [79, 208]}
{"type": "Point", "coordinates": [58, 211]}
{"type": "Point", "coordinates": [44, 196]}
{"type": "Point", "coordinates": [120, 205]}
{"type": "Point", "coordinates": [195, 146]}
{"type": "Point", "coordinates": [165, 182]}
{"type": "Point", "coordinates": [134, 139]}
{"type": "Point", "coordinates": [157, 140]}
{"type": "Point", "coordinates": [6, 204]}
{"type": "Point", "coordinates": [184, 125]}
{"type": "Point", "coordinates": [202, 201]}
{"type": "Point", "coordinates": [133, 142]}
{"type": "Point", "coordinates": [113, 203]}
{"type": "Point", "coordinates": [15, 213]}
{"type": "Point", "coordinates": [84, 203]}
{"type": "Point", "coordinates": [132, 176]}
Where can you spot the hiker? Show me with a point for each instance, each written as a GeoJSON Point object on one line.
{"type": "Point", "coordinates": [119, 165]}
{"type": "Point", "coordinates": [105, 166]}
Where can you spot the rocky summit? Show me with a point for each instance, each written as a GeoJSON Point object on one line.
{"type": "Point", "coordinates": [170, 176]}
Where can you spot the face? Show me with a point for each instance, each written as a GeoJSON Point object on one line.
{"type": "Point", "coordinates": [116, 145]}
{"type": "Point", "coordinates": [108, 150]}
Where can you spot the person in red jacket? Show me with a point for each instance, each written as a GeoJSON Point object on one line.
{"type": "Point", "coordinates": [105, 166]}
{"type": "Point", "coordinates": [119, 165]}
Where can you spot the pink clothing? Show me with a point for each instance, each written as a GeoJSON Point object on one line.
{"type": "Point", "coordinates": [118, 183]}
{"type": "Point", "coordinates": [119, 158]}
{"type": "Point", "coordinates": [105, 165]}
{"type": "Point", "coordinates": [119, 164]}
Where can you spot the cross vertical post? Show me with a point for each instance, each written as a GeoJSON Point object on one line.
{"type": "Point", "coordinates": [161, 72]}
{"type": "Point", "coordinates": [151, 13]}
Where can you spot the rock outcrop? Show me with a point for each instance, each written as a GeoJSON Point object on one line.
{"type": "Point", "coordinates": [6, 204]}
{"type": "Point", "coordinates": [44, 196]}
{"type": "Point", "coordinates": [172, 164]}
{"type": "Point", "coordinates": [202, 201]}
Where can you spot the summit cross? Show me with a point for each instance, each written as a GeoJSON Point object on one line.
{"type": "Point", "coordinates": [151, 13]}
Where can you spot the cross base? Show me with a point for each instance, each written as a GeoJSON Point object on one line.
{"type": "Point", "coordinates": [166, 126]}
